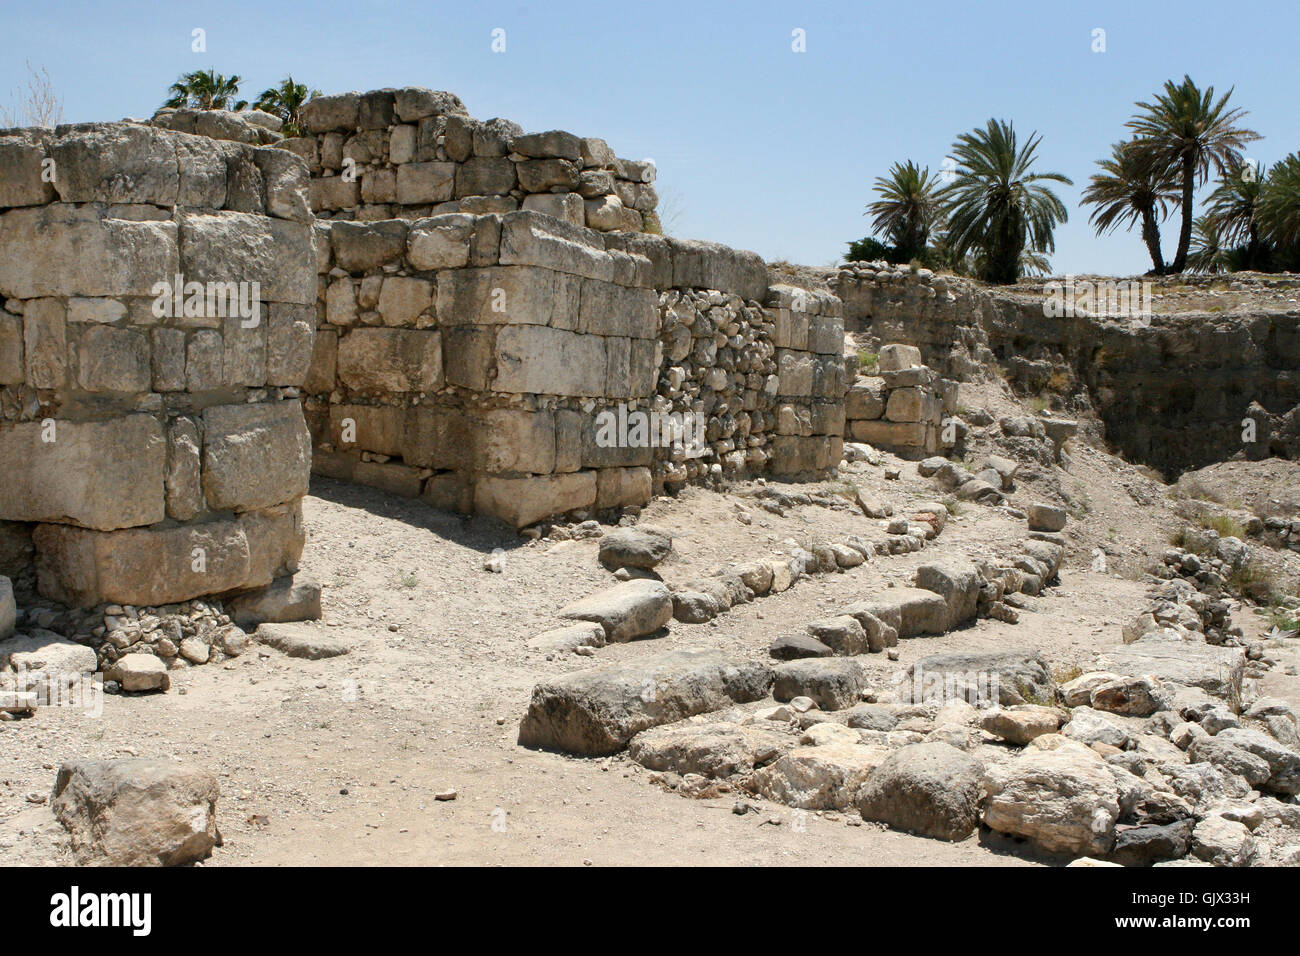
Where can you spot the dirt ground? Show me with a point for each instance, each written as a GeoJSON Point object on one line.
{"type": "Point", "coordinates": [339, 761]}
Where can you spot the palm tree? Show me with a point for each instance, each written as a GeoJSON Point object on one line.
{"type": "Point", "coordinates": [1232, 207]}
{"type": "Point", "coordinates": [206, 90]}
{"type": "Point", "coordinates": [908, 210]}
{"type": "Point", "coordinates": [1279, 205]}
{"type": "Point", "coordinates": [1127, 192]}
{"type": "Point", "coordinates": [286, 101]}
{"type": "Point", "coordinates": [996, 205]}
{"type": "Point", "coordinates": [1208, 251]}
{"type": "Point", "coordinates": [1186, 131]}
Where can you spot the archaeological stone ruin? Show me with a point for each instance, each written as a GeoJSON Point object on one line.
{"type": "Point", "coordinates": [204, 322]}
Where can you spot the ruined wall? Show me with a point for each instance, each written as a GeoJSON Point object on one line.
{"type": "Point", "coordinates": [902, 408]}
{"type": "Point", "coordinates": [412, 153]}
{"type": "Point", "coordinates": [498, 364]}
{"type": "Point", "coordinates": [464, 359]}
{"type": "Point", "coordinates": [151, 455]}
{"type": "Point", "coordinates": [1171, 389]}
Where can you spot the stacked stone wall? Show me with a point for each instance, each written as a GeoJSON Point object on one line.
{"type": "Point", "coordinates": [902, 408]}
{"type": "Point", "coordinates": [413, 153]}
{"type": "Point", "coordinates": [151, 438]}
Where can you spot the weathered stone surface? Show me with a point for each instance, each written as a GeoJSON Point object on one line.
{"type": "Point", "coordinates": [1021, 723]}
{"type": "Point", "coordinates": [640, 547]}
{"type": "Point", "coordinates": [716, 750]}
{"type": "Point", "coordinates": [1166, 657]}
{"type": "Point", "coordinates": [1064, 800]}
{"type": "Point", "coordinates": [1089, 726]}
{"type": "Point", "coordinates": [391, 360]}
{"type": "Point", "coordinates": [101, 475]}
{"type": "Point", "coordinates": [842, 633]}
{"type": "Point", "coordinates": [569, 638]}
{"type": "Point", "coordinates": [1223, 842]}
{"type": "Point", "coordinates": [523, 501]}
{"type": "Point", "coordinates": [41, 655]}
{"type": "Point", "coordinates": [958, 583]}
{"type": "Point", "coordinates": [239, 247]}
{"type": "Point", "coordinates": [59, 251]}
{"type": "Point", "coordinates": [823, 777]}
{"type": "Point", "coordinates": [255, 456]}
{"type": "Point", "coordinates": [626, 611]}
{"type": "Point", "coordinates": [1284, 763]}
{"type": "Point", "coordinates": [1131, 696]}
{"type": "Point", "coordinates": [139, 672]}
{"type": "Point", "coordinates": [1043, 517]}
{"type": "Point", "coordinates": [793, 647]}
{"type": "Point", "coordinates": [596, 712]}
{"type": "Point", "coordinates": [8, 608]}
{"type": "Point", "coordinates": [148, 567]}
{"type": "Point", "coordinates": [931, 789]}
{"type": "Point", "coordinates": [286, 599]}
{"type": "Point", "coordinates": [834, 683]}
{"type": "Point", "coordinates": [301, 640]}
{"type": "Point", "coordinates": [1005, 677]}
{"type": "Point", "coordinates": [136, 812]}
{"type": "Point", "coordinates": [1150, 843]}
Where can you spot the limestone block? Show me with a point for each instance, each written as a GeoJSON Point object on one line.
{"type": "Point", "coordinates": [391, 360]}
{"type": "Point", "coordinates": [183, 480]}
{"type": "Point", "coordinates": [237, 247]}
{"type": "Point", "coordinates": [403, 300]}
{"type": "Point", "coordinates": [254, 456]}
{"type": "Point", "coordinates": [45, 343]}
{"type": "Point", "coordinates": [440, 242]}
{"type": "Point", "coordinates": [102, 475]}
{"type": "Point", "coordinates": [484, 176]}
{"type": "Point", "coordinates": [290, 334]}
{"type": "Point", "coordinates": [534, 358]}
{"type": "Point", "coordinates": [12, 367]}
{"type": "Point", "coordinates": [423, 183]}
{"type": "Point", "coordinates": [566, 206]}
{"type": "Point", "coordinates": [68, 251]}
{"type": "Point", "coordinates": [531, 239]}
{"type": "Point", "coordinates": [508, 295]}
{"type": "Point", "coordinates": [22, 157]}
{"type": "Point", "coordinates": [376, 428]}
{"type": "Point", "coordinates": [523, 501]}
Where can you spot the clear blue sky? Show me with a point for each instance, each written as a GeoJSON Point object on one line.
{"type": "Point", "coordinates": [765, 148]}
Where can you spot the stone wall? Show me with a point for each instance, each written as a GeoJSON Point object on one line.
{"type": "Point", "coordinates": [151, 454]}
{"type": "Point", "coordinates": [413, 153]}
{"type": "Point", "coordinates": [498, 364]}
{"type": "Point", "coordinates": [1172, 390]}
{"type": "Point", "coordinates": [901, 409]}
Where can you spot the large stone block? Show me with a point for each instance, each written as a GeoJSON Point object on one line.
{"type": "Point", "coordinates": [485, 176]}
{"type": "Point", "coordinates": [533, 358]}
{"type": "Point", "coordinates": [100, 475]}
{"type": "Point", "coordinates": [532, 239]}
{"type": "Point", "coordinates": [440, 242]}
{"type": "Point", "coordinates": [23, 173]}
{"type": "Point", "coordinates": [290, 337]}
{"type": "Point", "coordinates": [254, 456]}
{"type": "Point", "coordinates": [499, 295]}
{"type": "Point", "coordinates": [710, 265]}
{"type": "Point", "coordinates": [391, 360]}
{"type": "Point", "coordinates": [69, 251]}
{"type": "Point", "coordinates": [376, 428]}
{"type": "Point", "coordinates": [278, 254]}
{"type": "Point", "coordinates": [153, 566]}
{"type": "Point", "coordinates": [515, 440]}
{"type": "Point", "coordinates": [361, 246]}
{"type": "Point", "coordinates": [523, 501]}
{"type": "Point", "coordinates": [12, 366]}
{"type": "Point", "coordinates": [45, 343]}
{"type": "Point", "coordinates": [340, 111]}
{"type": "Point", "coordinates": [116, 163]}
{"type": "Point", "coordinates": [596, 712]}
{"type": "Point", "coordinates": [424, 183]}
{"type": "Point", "coordinates": [111, 359]}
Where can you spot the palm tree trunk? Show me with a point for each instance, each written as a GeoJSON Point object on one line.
{"type": "Point", "coordinates": [1185, 234]}
{"type": "Point", "coordinates": [1151, 235]}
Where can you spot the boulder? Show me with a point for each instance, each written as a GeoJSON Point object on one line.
{"type": "Point", "coordinates": [1021, 723]}
{"type": "Point", "coordinates": [1043, 517]}
{"type": "Point", "coordinates": [1003, 677]}
{"type": "Point", "coordinates": [1131, 696]}
{"type": "Point", "coordinates": [932, 789]}
{"type": "Point", "coordinates": [597, 711]}
{"type": "Point", "coordinates": [1078, 692]}
{"type": "Point", "coordinates": [1284, 763]}
{"type": "Point", "coordinates": [1089, 727]}
{"type": "Point", "coordinates": [1166, 657]}
{"type": "Point", "coordinates": [958, 583]}
{"type": "Point", "coordinates": [790, 647]}
{"type": "Point", "coordinates": [640, 547]}
{"type": "Point", "coordinates": [1150, 843]}
{"type": "Point", "coordinates": [628, 610]}
{"type": "Point", "coordinates": [1223, 842]}
{"type": "Point", "coordinates": [1064, 800]}
{"type": "Point", "coordinates": [824, 777]}
{"type": "Point", "coordinates": [569, 638]}
{"type": "Point", "coordinates": [136, 812]}
{"type": "Point", "coordinates": [139, 672]}
{"type": "Point", "coordinates": [834, 683]}
{"type": "Point", "coordinates": [714, 750]}
{"type": "Point", "coordinates": [842, 633]}
{"type": "Point", "coordinates": [286, 599]}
